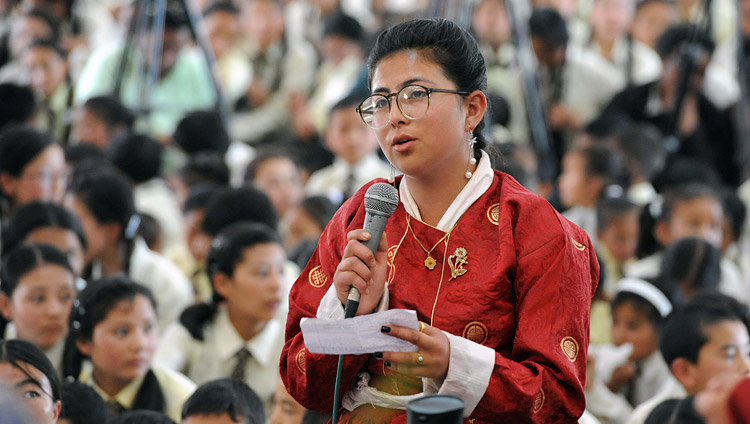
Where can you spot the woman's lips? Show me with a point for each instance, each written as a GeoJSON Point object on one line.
{"type": "Point", "coordinates": [402, 143]}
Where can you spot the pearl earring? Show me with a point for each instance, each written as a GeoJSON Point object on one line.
{"type": "Point", "coordinates": [471, 139]}
{"type": "Point", "coordinates": [392, 177]}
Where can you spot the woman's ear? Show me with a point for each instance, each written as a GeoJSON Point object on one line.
{"type": "Point", "coordinates": [221, 283]}
{"type": "Point", "coordinates": [682, 370]}
{"type": "Point", "coordinates": [661, 233]}
{"type": "Point", "coordinates": [476, 105]}
{"type": "Point", "coordinates": [8, 184]}
{"type": "Point", "coordinates": [84, 346]}
{"type": "Point", "coordinates": [56, 411]}
{"type": "Point", "coordinates": [5, 308]}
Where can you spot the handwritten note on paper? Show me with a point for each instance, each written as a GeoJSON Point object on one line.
{"type": "Point", "coordinates": [358, 335]}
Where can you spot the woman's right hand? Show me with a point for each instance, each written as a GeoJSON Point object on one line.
{"type": "Point", "coordinates": [363, 270]}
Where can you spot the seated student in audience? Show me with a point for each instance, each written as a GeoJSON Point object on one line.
{"type": "Point", "coordinates": [279, 68]}
{"type": "Point", "coordinates": [223, 25]}
{"type": "Point", "coordinates": [140, 158]}
{"type": "Point", "coordinates": [621, 383]}
{"type": "Point", "coordinates": [304, 224]}
{"type": "Point", "coordinates": [183, 82]}
{"type": "Point", "coordinates": [284, 409]}
{"type": "Point", "coordinates": [81, 404]}
{"type": "Point", "coordinates": [18, 106]}
{"type": "Point", "coordinates": [706, 337]}
{"type": "Point", "coordinates": [691, 266]}
{"type": "Point", "coordinates": [355, 148]}
{"type": "Point", "coordinates": [46, 222]}
{"type": "Point", "coordinates": [609, 38]}
{"type": "Point", "coordinates": [732, 243]}
{"type": "Point", "coordinates": [239, 333]}
{"type": "Point", "coordinates": [143, 416]}
{"type": "Point", "coordinates": [652, 18]}
{"type": "Point", "coordinates": [103, 201]}
{"type": "Point", "coordinates": [586, 172]}
{"type": "Point", "coordinates": [689, 210]}
{"type": "Point", "coordinates": [26, 27]}
{"type": "Point", "coordinates": [190, 256]}
{"type": "Point", "coordinates": [616, 237]}
{"type": "Point", "coordinates": [45, 61]}
{"type": "Point", "coordinates": [200, 168]}
{"type": "Point", "coordinates": [705, 130]}
{"type": "Point", "coordinates": [276, 173]}
{"type": "Point", "coordinates": [32, 167]}
{"type": "Point", "coordinates": [342, 63]}
{"type": "Point", "coordinates": [100, 119]}
{"type": "Point", "coordinates": [30, 376]}
{"type": "Point", "coordinates": [112, 339]}
{"type": "Point", "coordinates": [36, 292]}
{"type": "Point", "coordinates": [224, 401]}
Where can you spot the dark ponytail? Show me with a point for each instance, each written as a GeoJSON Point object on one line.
{"type": "Point", "coordinates": [92, 307]}
{"type": "Point", "coordinates": [227, 251]}
{"type": "Point", "coordinates": [446, 44]}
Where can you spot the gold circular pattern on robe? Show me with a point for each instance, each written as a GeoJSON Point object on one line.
{"type": "Point", "coordinates": [578, 245]}
{"type": "Point", "coordinates": [301, 361]}
{"type": "Point", "coordinates": [570, 348]}
{"type": "Point", "coordinates": [476, 332]}
{"type": "Point", "coordinates": [317, 277]}
{"type": "Point", "coordinates": [539, 401]}
{"type": "Point", "coordinates": [493, 214]}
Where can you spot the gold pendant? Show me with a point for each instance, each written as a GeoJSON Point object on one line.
{"type": "Point", "coordinates": [457, 261]}
{"type": "Point", "coordinates": [430, 262]}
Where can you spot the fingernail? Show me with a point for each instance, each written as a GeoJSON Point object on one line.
{"type": "Point", "coordinates": [387, 364]}
{"type": "Point", "coordinates": [378, 355]}
{"type": "Point", "coordinates": [366, 235]}
{"type": "Point", "coordinates": [385, 329]}
{"type": "Point", "coordinates": [373, 263]}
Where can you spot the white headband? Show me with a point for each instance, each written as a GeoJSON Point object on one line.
{"type": "Point", "coordinates": [647, 291]}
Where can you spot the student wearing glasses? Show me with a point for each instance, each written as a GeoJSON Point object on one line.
{"type": "Point", "coordinates": [501, 283]}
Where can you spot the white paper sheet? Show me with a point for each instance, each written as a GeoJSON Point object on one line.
{"type": "Point", "coordinates": [358, 335]}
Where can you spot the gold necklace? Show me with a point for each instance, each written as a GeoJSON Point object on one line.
{"type": "Point", "coordinates": [429, 261]}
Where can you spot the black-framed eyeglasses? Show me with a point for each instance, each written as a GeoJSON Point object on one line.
{"type": "Point", "coordinates": [412, 100]}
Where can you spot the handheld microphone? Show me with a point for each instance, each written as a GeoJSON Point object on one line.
{"type": "Point", "coordinates": [381, 200]}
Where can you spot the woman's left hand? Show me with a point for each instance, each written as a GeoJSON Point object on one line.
{"type": "Point", "coordinates": [431, 358]}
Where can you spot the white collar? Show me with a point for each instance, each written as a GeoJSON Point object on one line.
{"type": "Point", "coordinates": [261, 346]}
{"type": "Point", "coordinates": [479, 183]}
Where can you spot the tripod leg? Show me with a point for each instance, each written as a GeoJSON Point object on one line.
{"type": "Point", "coordinates": [132, 29]}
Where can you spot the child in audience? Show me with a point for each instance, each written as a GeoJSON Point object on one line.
{"type": "Point", "coordinates": [586, 172]}
{"type": "Point", "coordinates": [45, 222]}
{"type": "Point", "coordinates": [638, 311]}
{"type": "Point", "coordinates": [113, 337]}
{"type": "Point", "coordinates": [238, 334]}
{"type": "Point", "coordinates": [29, 374]}
{"type": "Point", "coordinates": [304, 224]}
{"type": "Point", "coordinates": [644, 156]}
{"type": "Point", "coordinates": [277, 174]}
{"type": "Point", "coordinates": [706, 337]}
{"type": "Point", "coordinates": [32, 167]}
{"type": "Point", "coordinates": [139, 157]}
{"type": "Point", "coordinates": [355, 148]}
{"type": "Point", "coordinates": [616, 236]}
{"type": "Point", "coordinates": [690, 210]}
{"type": "Point", "coordinates": [103, 201]}
{"type": "Point", "coordinates": [200, 168]}
{"type": "Point", "coordinates": [81, 404]}
{"type": "Point", "coordinates": [100, 120]}
{"type": "Point", "coordinates": [223, 401]}
{"type": "Point", "coordinates": [285, 410]}
{"type": "Point", "coordinates": [36, 293]}
{"type": "Point", "coordinates": [45, 62]}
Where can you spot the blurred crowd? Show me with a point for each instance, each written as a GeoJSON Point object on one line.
{"type": "Point", "coordinates": [167, 167]}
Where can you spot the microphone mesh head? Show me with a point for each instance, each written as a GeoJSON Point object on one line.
{"type": "Point", "coordinates": [381, 199]}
